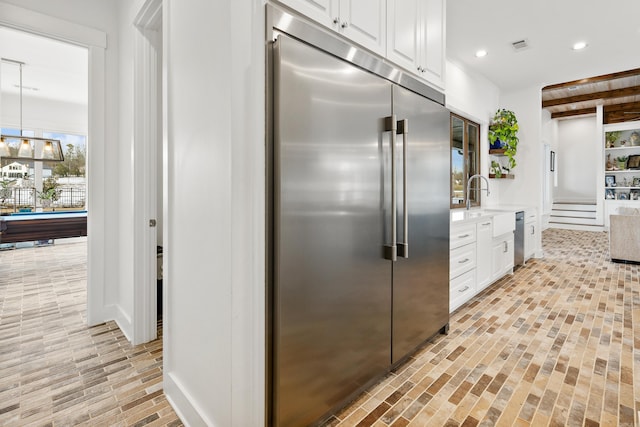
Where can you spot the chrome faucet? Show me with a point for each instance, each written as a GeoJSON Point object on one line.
{"type": "Point", "coordinates": [469, 187]}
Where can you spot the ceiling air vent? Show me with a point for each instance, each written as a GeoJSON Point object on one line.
{"type": "Point", "coordinates": [520, 45]}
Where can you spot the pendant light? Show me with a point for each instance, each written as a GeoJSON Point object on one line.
{"type": "Point", "coordinates": [4, 148]}
{"type": "Point", "coordinates": [29, 148]}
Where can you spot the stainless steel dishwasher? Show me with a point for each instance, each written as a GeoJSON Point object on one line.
{"type": "Point", "coordinates": [518, 244]}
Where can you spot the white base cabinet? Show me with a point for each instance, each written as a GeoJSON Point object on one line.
{"type": "Point", "coordinates": [462, 264]}
{"type": "Point", "coordinates": [481, 252]}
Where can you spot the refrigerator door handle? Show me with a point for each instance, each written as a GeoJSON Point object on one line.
{"type": "Point", "coordinates": [403, 248]}
{"type": "Point", "coordinates": [390, 251]}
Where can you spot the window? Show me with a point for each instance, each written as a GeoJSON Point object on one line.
{"type": "Point", "coordinates": [465, 159]}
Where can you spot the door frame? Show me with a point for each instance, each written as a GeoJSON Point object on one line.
{"type": "Point", "coordinates": [147, 110]}
{"type": "Point", "coordinates": [95, 42]}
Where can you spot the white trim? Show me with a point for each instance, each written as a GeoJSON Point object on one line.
{"type": "Point", "coordinates": [95, 41]}
{"type": "Point", "coordinates": [182, 402]}
{"type": "Point", "coordinates": [48, 26]}
{"type": "Point", "coordinates": [123, 321]}
{"type": "Point", "coordinates": [146, 68]}
{"type": "Point", "coordinates": [96, 180]}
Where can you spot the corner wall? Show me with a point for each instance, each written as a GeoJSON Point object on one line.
{"type": "Point", "coordinates": [527, 187]}
{"type": "Point", "coordinates": [214, 219]}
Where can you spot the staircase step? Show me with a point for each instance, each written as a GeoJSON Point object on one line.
{"type": "Point", "coordinates": [572, 220]}
{"type": "Point", "coordinates": [574, 214]}
{"type": "Point", "coordinates": [583, 227]}
{"type": "Point", "coordinates": [574, 207]}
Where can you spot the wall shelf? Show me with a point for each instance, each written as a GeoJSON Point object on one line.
{"type": "Point", "coordinates": [625, 190]}
{"type": "Point", "coordinates": [504, 176]}
{"type": "Point", "coordinates": [497, 151]}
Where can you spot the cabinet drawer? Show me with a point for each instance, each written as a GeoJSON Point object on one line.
{"type": "Point", "coordinates": [461, 289]}
{"type": "Point", "coordinates": [462, 235]}
{"type": "Point", "coordinates": [461, 260]}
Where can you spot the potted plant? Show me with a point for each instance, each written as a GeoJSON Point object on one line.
{"type": "Point", "coordinates": [5, 191]}
{"type": "Point", "coordinates": [622, 162]}
{"type": "Point", "coordinates": [49, 193]}
{"type": "Point", "coordinates": [503, 133]}
{"type": "Point", "coordinates": [496, 169]}
{"type": "Point", "coordinates": [612, 137]}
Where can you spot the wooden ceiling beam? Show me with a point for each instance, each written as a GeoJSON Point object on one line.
{"type": "Point", "coordinates": [602, 78]}
{"type": "Point", "coordinates": [627, 106]}
{"type": "Point", "coordinates": [607, 94]}
{"type": "Point", "coordinates": [571, 113]}
{"type": "Point", "coordinates": [620, 117]}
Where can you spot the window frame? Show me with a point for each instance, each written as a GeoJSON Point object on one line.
{"type": "Point", "coordinates": [466, 172]}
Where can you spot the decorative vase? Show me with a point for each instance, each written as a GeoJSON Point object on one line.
{"type": "Point", "coordinates": [622, 165]}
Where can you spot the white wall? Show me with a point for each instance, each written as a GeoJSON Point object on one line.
{"type": "Point", "coordinates": [214, 348]}
{"type": "Point", "coordinates": [41, 113]}
{"type": "Point", "coordinates": [476, 98]}
{"type": "Point", "coordinates": [578, 157]}
{"type": "Point", "coordinates": [549, 129]}
{"type": "Point", "coordinates": [470, 94]}
{"type": "Point", "coordinates": [526, 188]}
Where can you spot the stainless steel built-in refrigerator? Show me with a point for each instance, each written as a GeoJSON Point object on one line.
{"type": "Point", "coordinates": [360, 227]}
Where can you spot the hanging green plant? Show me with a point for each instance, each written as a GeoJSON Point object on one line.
{"type": "Point", "coordinates": [503, 133]}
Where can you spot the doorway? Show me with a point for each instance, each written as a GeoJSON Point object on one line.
{"type": "Point", "coordinates": [95, 42]}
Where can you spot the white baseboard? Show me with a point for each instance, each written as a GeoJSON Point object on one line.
{"type": "Point", "coordinates": [124, 322]}
{"type": "Point", "coordinates": [181, 402]}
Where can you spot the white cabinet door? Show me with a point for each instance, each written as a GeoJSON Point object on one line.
{"type": "Point", "coordinates": [415, 37]}
{"type": "Point", "coordinates": [508, 263]}
{"type": "Point", "coordinates": [529, 239]}
{"type": "Point", "coordinates": [404, 25]}
{"type": "Point", "coordinates": [483, 254]}
{"type": "Point", "coordinates": [322, 11]}
{"type": "Point", "coordinates": [502, 254]}
{"type": "Point", "coordinates": [433, 37]}
{"type": "Point", "coordinates": [364, 22]}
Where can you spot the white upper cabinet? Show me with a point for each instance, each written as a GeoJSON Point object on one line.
{"type": "Point", "coordinates": [416, 37]}
{"type": "Point", "coordinates": [409, 33]}
{"type": "Point", "coordinates": [404, 30]}
{"type": "Point", "coordinates": [362, 21]}
{"type": "Point", "coordinates": [321, 11]}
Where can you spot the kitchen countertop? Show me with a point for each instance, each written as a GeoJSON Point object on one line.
{"type": "Point", "coordinates": [478, 214]}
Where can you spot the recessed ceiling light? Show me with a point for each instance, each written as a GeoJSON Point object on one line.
{"type": "Point", "coordinates": [481, 53]}
{"type": "Point", "coordinates": [579, 45]}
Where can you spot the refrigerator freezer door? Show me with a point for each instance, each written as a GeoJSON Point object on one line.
{"type": "Point", "coordinates": [421, 281]}
{"type": "Point", "coordinates": [332, 296]}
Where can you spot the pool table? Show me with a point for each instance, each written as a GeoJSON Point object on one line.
{"type": "Point", "coordinates": [32, 226]}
